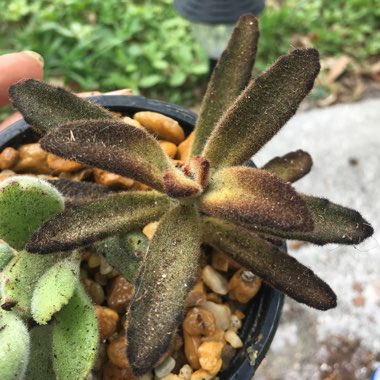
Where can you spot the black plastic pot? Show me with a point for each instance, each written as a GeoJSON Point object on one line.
{"type": "Point", "coordinates": [263, 312]}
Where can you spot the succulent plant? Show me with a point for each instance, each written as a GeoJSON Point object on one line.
{"type": "Point", "coordinates": [38, 287]}
{"type": "Point", "coordinates": [213, 199]}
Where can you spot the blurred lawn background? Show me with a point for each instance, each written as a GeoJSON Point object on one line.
{"type": "Point", "coordinates": [147, 46]}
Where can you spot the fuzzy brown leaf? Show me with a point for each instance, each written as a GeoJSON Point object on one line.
{"type": "Point", "coordinates": [276, 268]}
{"type": "Point", "coordinates": [252, 196]}
{"type": "Point", "coordinates": [88, 223]}
{"type": "Point", "coordinates": [167, 275]}
{"type": "Point", "coordinates": [332, 224]}
{"type": "Point", "coordinates": [78, 192]}
{"type": "Point", "coordinates": [178, 185]}
{"type": "Point", "coordinates": [113, 146]}
{"type": "Point", "coordinates": [45, 107]}
{"type": "Point", "coordinates": [262, 109]}
{"type": "Point", "coordinates": [291, 167]}
{"type": "Point", "coordinates": [229, 78]}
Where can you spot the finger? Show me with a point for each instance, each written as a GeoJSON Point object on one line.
{"type": "Point", "coordinates": [17, 66]}
{"type": "Point", "coordinates": [10, 120]}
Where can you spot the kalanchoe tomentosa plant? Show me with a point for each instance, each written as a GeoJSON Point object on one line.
{"type": "Point", "coordinates": [212, 199]}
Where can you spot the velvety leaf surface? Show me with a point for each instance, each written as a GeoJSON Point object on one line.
{"type": "Point", "coordinates": [290, 167]}
{"type": "Point", "coordinates": [229, 78]}
{"type": "Point", "coordinates": [87, 223]}
{"type": "Point", "coordinates": [169, 271]}
{"type": "Point", "coordinates": [14, 346]}
{"type": "Point", "coordinates": [252, 196]}
{"type": "Point", "coordinates": [45, 107]}
{"type": "Point", "coordinates": [75, 337]}
{"type": "Point", "coordinates": [25, 202]}
{"type": "Point", "coordinates": [276, 268]}
{"type": "Point", "coordinates": [125, 253]}
{"type": "Point", "coordinates": [79, 192]}
{"type": "Point", "coordinates": [41, 357]}
{"type": "Point", "coordinates": [55, 288]}
{"type": "Point", "coordinates": [332, 224]}
{"type": "Point", "coordinates": [6, 254]}
{"type": "Point", "coordinates": [262, 109]}
{"type": "Point", "coordinates": [20, 278]}
{"type": "Point", "coordinates": [111, 145]}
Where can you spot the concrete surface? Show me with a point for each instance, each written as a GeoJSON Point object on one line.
{"type": "Point", "coordinates": [344, 343]}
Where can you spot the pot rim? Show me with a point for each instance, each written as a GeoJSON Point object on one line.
{"type": "Point", "coordinates": [264, 311]}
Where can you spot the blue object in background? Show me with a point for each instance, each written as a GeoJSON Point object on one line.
{"type": "Point", "coordinates": [376, 374]}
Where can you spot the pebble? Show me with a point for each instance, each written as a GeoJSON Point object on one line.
{"type": "Point", "coordinates": [94, 261]}
{"type": "Point", "coordinates": [60, 164]}
{"type": "Point", "coordinates": [113, 372]}
{"type": "Point", "coordinates": [109, 179]}
{"type": "Point", "coordinates": [32, 159]}
{"type": "Point", "coordinates": [185, 372]}
{"type": "Point", "coordinates": [116, 352]}
{"type": "Point", "coordinates": [94, 290]}
{"type": "Point", "coordinates": [168, 147]}
{"type": "Point", "coordinates": [160, 125]}
{"type": "Point", "coordinates": [197, 295]}
{"type": "Point", "coordinates": [214, 280]}
{"type": "Point", "coordinates": [165, 367]}
{"type": "Point", "coordinates": [199, 322]}
{"type": "Point", "coordinates": [201, 374]}
{"type": "Point", "coordinates": [150, 229]}
{"type": "Point", "coordinates": [228, 353]}
{"type": "Point", "coordinates": [120, 294]}
{"type": "Point", "coordinates": [105, 268]}
{"type": "Point", "coordinates": [210, 354]}
{"type": "Point", "coordinates": [183, 150]}
{"type": "Point", "coordinates": [222, 314]}
{"type": "Point", "coordinates": [233, 339]}
{"type": "Point", "coordinates": [8, 158]}
{"type": "Point", "coordinates": [243, 285]}
{"type": "Point", "coordinates": [235, 322]}
{"type": "Point", "coordinates": [219, 261]}
{"type": "Point", "coordinates": [191, 344]}
{"type": "Point", "coordinates": [107, 321]}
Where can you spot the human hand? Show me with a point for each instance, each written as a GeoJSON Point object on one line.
{"type": "Point", "coordinates": [28, 64]}
{"type": "Point", "coordinates": [14, 67]}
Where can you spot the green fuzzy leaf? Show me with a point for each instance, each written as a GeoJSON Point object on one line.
{"type": "Point", "coordinates": [169, 271]}
{"type": "Point", "coordinates": [291, 167]}
{"type": "Point", "coordinates": [332, 224]}
{"type": "Point", "coordinates": [6, 254]}
{"type": "Point", "coordinates": [20, 277]}
{"type": "Point", "coordinates": [41, 358]}
{"type": "Point", "coordinates": [276, 268]}
{"type": "Point", "coordinates": [45, 107]}
{"type": "Point", "coordinates": [75, 337]}
{"type": "Point", "coordinates": [54, 289]}
{"type": "Point", "coordinates": [78, 192]}
{"type": "Point", "coordinates": [252, 196]}
{"type": "Point", "coordinates": [113, 146]}
{"type": "Point", "coordinates": [229, 78]}
{"type": "Point", "coordinates": [262, 109]}
{"type": "Point", "coordinates": [125, 253]}
{"type": "Point", "coordinates": [14, 346]}
{"type": "Point", "coordinates": [25, 202]}
{"type": "Point", "coordinates": [85, 224]}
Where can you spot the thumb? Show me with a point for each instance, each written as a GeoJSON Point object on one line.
{"type": "Point", "coordinates": [17, 66]}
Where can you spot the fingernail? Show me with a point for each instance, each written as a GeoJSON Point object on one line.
{"type": "Point", "coordinates": [36, 56]}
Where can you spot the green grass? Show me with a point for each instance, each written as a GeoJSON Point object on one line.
{"type": "Point", "coordinates": [334, 27]}
{"type": "Point", "coordinates": [147, 46]}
